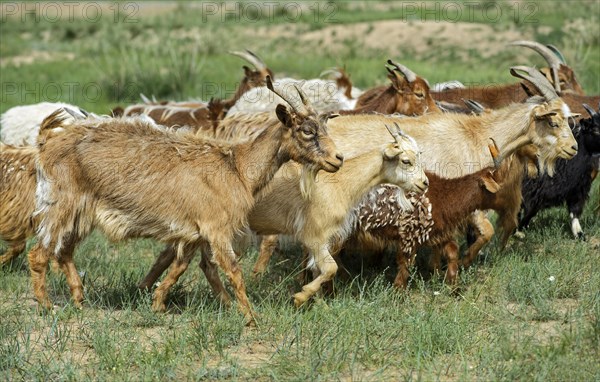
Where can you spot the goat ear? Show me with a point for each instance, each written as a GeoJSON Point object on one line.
{"type": "Point", "coordinates": [391, 151]}
{"type": "Point", "coordinates": [117, 111]}
{"type": "Point", "coordinates": [547, 72]}
{"type": "Point", "coordinates": [398, 81]}
{"type": "Point", "coordinates": [247, 71]}
{"type": "Point", "coordinates": [529, 89]}
{"type": "Point", "coordinates": [283, 114]}
{"type": "Point", "coordinates": [490, 184]}
{"type": "Point", "coordinates": [543, 114]}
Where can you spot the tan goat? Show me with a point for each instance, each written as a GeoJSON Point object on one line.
{"type": "Point", "coordinates": [109, 174]}
{"type": "Point", "coordinates": [17, 198]}
{"type": "Point", "coordinates": [317, 216]}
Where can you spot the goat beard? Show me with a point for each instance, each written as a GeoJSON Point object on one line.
{"type": "Point", "coordinates": [547, 162]}
{"type": "Point", "coordinates": [403, 201]}
{"type": "Point", "coordinates": [308, 177]}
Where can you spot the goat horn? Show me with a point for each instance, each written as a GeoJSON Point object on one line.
{"type": "Point", "coordinates": [493, 147]}
{"type": "Point", "coordinates": [548, 55]}
{"type": "Point", "coordinates": [399, 130]}
{"type": "Point", "coordinates": [537, 79]}
{"type": "Point", "coordinates": [73, 113]}
{"type": "Point", "coordinates": [331, 71]}
{"type": "Point", "coordinates": [145, 99]}
{"type": "Point", "coordinates": [393, 133]}
{"type": "Point", "coordinates": [251, 58]}
{"type": "Point", "coordinates": [298, 108]}
{"type": "Point", "coordinates": [590, 111]}
{"type": "Point", "coordinates": [557, 52]}
{"type": "Point", "coordinates": [408, 74]}
{"type": "Point", "coordinates": [391, 71]}
{"type": "Point", "coordinates": [475, 106]}
{"type": "Point", "coordinates": [84, 112]}
{"type": "Point", "coordinates": [305, 101]}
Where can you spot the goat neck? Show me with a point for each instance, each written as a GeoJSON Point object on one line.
{"type": "Point", "coordinates": [262, 157]}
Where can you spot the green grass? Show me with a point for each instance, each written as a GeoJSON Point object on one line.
{"type": "Point", "coordinates": [530, 311]}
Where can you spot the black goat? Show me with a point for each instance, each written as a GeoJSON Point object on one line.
{"type": "Point", "coordinates": [572, 181]}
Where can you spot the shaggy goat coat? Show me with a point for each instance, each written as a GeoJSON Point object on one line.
{"type": "Point", "coordinates": [17, 197]}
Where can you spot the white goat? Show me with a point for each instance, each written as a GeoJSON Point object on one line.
{"type": "Point", "coordinates": [20, 124]}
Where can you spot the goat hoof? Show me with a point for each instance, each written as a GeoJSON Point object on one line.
{"type": "Point", "coordinates": [159, 307]}
{"type": "Point", "coordinates": [143, 287]}
{"type": "Point", "coordinates": [45, 307]}
{"type": "Point", "coordinates": [581, 236]}
{"type": "Point", "coordinates": [299, 299]}
{"type": "Point", "coordinates": [520, 235]}
{"type": "Point", "coordinates": [251, 319]}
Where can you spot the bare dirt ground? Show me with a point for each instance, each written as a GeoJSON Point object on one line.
{"type": "Point", "coordinates": [396, 37]}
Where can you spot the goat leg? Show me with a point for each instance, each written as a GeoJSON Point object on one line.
{"type": "Point", "coordinates": [267, 247]}
{"type": "Point", "coordinates": [528, 213]}
{"type": "Point", "coordinates": [575, 204]}
{"type": "Point", "coordinates": [38, 263]}
{"type": "Point", "coordinates": [225, 257]}
{"type": "Point", "coordinates": [484, 232]}
{"type": "Point", "coordinates": [211, 272]}
{"type": "Point", "coordinates": [67, 266]}
{"type": "Point", "coordinates": [178, 267]}
{"type": "Point", "coordinates": [450, 252]}
{"type": "Point", "coordinates": [507, 221]}
{"type": "Point", "coordinates": [162, 262]}
{"type": "Point", "coordinates": [327, 268]}
{"type": "Point", "coordinates": [402, 261]}
{"type": "Point", "coordinates": [14, 249]}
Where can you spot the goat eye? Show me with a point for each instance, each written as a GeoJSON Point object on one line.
{"type": "Point", "coordinates": [420, 95]}
{"type": "Point", "coordinates": [308, 133]}
{"type": "Point", "coordinates": [406, 161]}
{"type": "Point", "coordinates": [553, 124]}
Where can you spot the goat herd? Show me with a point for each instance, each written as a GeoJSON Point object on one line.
{"type": "Point", "coordinates": [403, 166]}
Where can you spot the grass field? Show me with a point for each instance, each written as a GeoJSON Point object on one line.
{"type": "Point", "coordinates": [530, 311]}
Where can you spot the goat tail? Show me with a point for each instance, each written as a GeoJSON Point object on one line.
{"type": "Point", "coordinates": [51, 124]}
{"type": "Point", "coordinates": [53, 121]}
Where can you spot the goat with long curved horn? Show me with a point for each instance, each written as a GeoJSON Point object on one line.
{"type": "Point", "coordinates": [251, 58]}
{"type": "Point", "coordinates": [549, 55]}
{"type": "Point", "coordinates": [406, 72]}
{"type": "Point", "coordinates": [537, 79]}
{"type": "Point", "coordinates": [303, 107]}
{"type": "Point", "coordinates": [557, 52]}
{"type": "Point", "coordinates": [590, 110]}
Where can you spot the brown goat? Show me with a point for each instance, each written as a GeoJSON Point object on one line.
{"type": "Point", "coordinates": [252, 78]}
{"type": "Point", "coordinates": [17, 198]}
{"type": "Point", "coordinates": [495, 96]}
{"type": "Point", "coordinates": [107, 174]}
{"type": "Point", "coordinates": [195, 113]}
{"type": "Point", "coordinates": [342, 80]}
{"type": "Point", "coordinates": [408, 94]}
{"type": "Point", "coordinates": [202, 118]}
